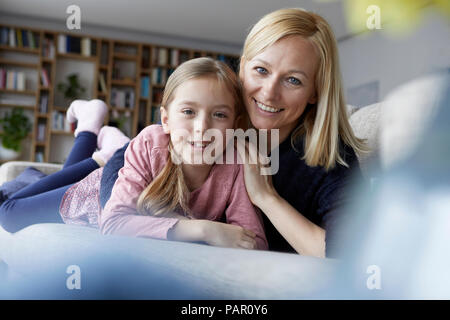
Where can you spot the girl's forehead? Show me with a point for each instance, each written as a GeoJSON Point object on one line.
{"type": "Point", "coordinates": [203, 91]}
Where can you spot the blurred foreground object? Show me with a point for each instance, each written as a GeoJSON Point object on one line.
{"type": "Point", "coordinates": [398, 233]}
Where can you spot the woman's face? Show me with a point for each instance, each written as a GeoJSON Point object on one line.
{"type": "Point", "coordinates": [279, 83]}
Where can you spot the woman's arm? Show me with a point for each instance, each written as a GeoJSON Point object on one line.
{"type": "Point", "coordinates": [303, 235]}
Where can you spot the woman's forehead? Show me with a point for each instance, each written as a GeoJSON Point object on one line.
{"type": "Point", "coordinates": [292, 53]}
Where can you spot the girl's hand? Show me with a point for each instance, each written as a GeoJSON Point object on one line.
{"type": "Point", "coordinates": [228, 235]}
{"type": "Point", "coordinates": [259, 187]}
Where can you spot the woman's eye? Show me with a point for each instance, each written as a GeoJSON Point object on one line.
{"type": "Point", "coordinates": [294, 81]}
{"type": "Point", "coordinates": [261, 70]}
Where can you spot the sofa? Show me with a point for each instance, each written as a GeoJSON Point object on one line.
{"type": "Point", "coordinates": [56, 261]}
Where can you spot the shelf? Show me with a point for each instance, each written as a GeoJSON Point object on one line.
{"type": "Point", "coordinates": [127, 61]}
{"type": "Point", "coordinates": [123, 83]}
{"type": "Point", "coordinates": [47, 60]}
{"type": "Point", "coordinates": [121, 109]}
{"type": "Point", "coordinates": [19, 64]}
{"type": "Point", "coordinates": [7, 105]}
{"type": "Point", "coordinates": [24, 92]}
{"type": "Point", "coordinates": [61, 109]}
{"type": "Point", "coordinates": [61, 132]}
{"type": "Point", "coordinates": [76, 56]}
{"type": "Point", "coordinates": [20, 49]}
{"type": "Point", "coordinates": [124, 56]}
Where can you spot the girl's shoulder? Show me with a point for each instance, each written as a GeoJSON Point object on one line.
{"type": "Point", "coordinates": [154, 136]}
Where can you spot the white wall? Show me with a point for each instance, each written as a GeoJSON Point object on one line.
{"type": "Point", "coordinates": [121, 34]}
{"type": "Point", "coordinates": [391, 60]}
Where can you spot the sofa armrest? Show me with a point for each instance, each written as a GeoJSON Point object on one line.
{"type": "Point", "coordinates": [11, 169]}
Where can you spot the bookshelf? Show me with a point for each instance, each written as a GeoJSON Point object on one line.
{"type": "Point", "coordinates": [128, 76]}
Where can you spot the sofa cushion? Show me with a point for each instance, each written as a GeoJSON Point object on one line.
{"type": "Point", "coordinates": [28, 176]}
{"type": "Point", "coordinates": [365, 124]}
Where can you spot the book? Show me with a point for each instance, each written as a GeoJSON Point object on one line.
{"type": "Point", "coordinates": [145, 83]}
{"type": "Point", "coordinates": [10, 80]}
{"type": "Point", "coordinates": [86, 47]}
{"type": "Point", "coordinates": [19, 38]}
{"type": "Point", "coordinates": [175, 57]}
{"type": "Point", "coordinates": [162, 57]}
{"type": "Point", "coordinates": [102, 83]}
{"type": "Point", "coordinates": [12, 37]}
{"type": "Point", "coordinates": [61, 43]}
{"type": "Point", "coordinates": [43, 106]}
{"type": "Point", "coordinates": [20, 81]}
{"type": "Point", "coordinates": [2, 78]}
{"type": "Point", "coordinates": [45, 78]}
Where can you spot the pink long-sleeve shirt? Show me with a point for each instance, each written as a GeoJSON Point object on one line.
{"type": "Point", "coordinates": [223, 193]}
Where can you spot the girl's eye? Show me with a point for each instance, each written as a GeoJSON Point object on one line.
{"type": "Point", "coordinates": [220, 115]}
{"type": "Point", "coordinates": [261, 70]}
{"type": "Point", "coordinates": [294, 81]}
{"type": "Point", "coordinates": [187, 112]}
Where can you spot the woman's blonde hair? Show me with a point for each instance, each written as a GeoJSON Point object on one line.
{"type": "Point", "coordinates": [168, 191]}
{"type": "Point", "coordinates": [326, 122]}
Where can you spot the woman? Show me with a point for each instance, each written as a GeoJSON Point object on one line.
{"type": "Point", "coordinates": [290, 74]}
{"type": "Point", "coordinates": [291, 80]}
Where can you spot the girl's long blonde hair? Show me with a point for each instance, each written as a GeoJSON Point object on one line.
{"type": "Point", "coordinates": [326, 122]}
{"type": "Point", "coordinates": [168, 191]}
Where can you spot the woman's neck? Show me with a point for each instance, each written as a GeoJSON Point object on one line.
{"type": "Point", "coordinates": [195, 175]}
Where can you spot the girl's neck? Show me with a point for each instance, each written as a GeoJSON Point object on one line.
{"type": "Point", "coordinates": [195, 175]}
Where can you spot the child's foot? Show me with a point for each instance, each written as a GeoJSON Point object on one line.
{"type": "Point", "coordinates": [89, 114]}
{"type": "Point", "coordinates": [109, 140]}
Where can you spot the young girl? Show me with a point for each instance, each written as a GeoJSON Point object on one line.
{"type": "Point", "coordinates": [154, 197]}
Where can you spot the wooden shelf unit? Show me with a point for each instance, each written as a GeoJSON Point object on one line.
{"type": "Point", "coordinates": [128, 76]}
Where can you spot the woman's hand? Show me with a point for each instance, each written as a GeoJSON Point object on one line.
{"type": "Point", "coordinates": [228, 235]}
{"type": "Point", "coordinates": [259, 186]}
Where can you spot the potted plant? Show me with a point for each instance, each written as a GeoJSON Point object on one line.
{"type": "Point", "coordinates": [71, 89]}
{"type": "Point", "coordinates": [15, 127]}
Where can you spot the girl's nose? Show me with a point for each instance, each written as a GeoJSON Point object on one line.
{"type": "Point", "coordinates": [201, 124]}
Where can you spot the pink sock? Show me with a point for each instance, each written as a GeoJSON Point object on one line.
{"type": "Point", "coordinates": [109, 140]}
{"type": "Point", "coordinates": [89, 114]}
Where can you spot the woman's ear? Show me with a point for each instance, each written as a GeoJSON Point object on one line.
{"type": "Point", "coordinates": [164, 120]}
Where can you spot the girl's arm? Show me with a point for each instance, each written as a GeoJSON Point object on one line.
{"type": "Point", "coordinates": [120, 213]}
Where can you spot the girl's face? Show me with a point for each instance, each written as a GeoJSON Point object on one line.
{"type": "Point", "coordinates": [198, 105]}
{"type": "Point", "coordinates": [279, 83]}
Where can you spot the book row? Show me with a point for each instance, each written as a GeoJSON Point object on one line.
{"type": "Point", "coordinates": [12, 80]}
{"type": "Point", "coordinates": [70, 44]}
{"type": "Point", "coordinates": [19, 38]}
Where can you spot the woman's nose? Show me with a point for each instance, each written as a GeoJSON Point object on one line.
{"type": "Point", "coordinates": [270, 89]}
